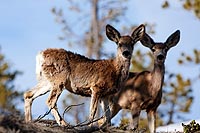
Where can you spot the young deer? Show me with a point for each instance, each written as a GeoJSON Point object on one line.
{"type": "Point", "coordinates": [57, 69]}
{"type": "Point", "coordinates": [143, 91]}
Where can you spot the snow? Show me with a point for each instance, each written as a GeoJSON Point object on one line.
{"type": "Point", "coordinates": [172, 128]}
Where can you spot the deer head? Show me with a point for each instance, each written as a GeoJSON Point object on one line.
{"type": "Point", "coordinates": [160, 49]}
{"type": "Point", "coordinates": [125, 43]}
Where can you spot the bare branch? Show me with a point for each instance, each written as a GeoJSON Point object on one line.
{"type": "Point", "coordinates": [41, 117]}
{"type": "Point", "coordinates": [89, 122]}
{"type": "Point", "coordinates": [70, 107]}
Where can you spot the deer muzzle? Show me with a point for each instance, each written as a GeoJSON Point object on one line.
{"type": "Point", "coordinates": [126, 54]}
{"type": "Point", "coordinates": [161, 57]}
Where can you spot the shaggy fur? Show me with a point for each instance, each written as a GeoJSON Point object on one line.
{"type": "Point", "coordinates": [58, 69]}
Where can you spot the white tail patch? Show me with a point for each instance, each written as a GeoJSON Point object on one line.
{"type": "Point", "coordinates": [39, 62]}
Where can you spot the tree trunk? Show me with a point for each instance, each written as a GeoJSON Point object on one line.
{"type": "Point", "coordinates": [95, 29]}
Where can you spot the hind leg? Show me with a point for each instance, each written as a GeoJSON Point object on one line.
{"type": "Point", "coordinates": [40, 89]}
{"type": "Point", "coordinates": [51, 102]}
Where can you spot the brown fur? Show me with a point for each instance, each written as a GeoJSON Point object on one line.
{"type": "Point", "coordinates": [58, 69]}
{"type": "Point", "coordinates": [143, 91]}
{"type": "Point", "coordinates": [81, 70]}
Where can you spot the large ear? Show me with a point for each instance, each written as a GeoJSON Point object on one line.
{"type": "Point", "coordinates": [112, 33]}
{"type": "Point", "coordinates": [173, 39]}
{"type": "Point", "coordinates": [138, 33]}
{"type": "Point", "coordinates": [147, 41]}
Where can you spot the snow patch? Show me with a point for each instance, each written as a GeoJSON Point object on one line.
{"type": "Point", "coordinates": [173, 128]}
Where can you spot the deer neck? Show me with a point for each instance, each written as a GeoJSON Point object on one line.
{"type": "Point", "coordinates": [157, 78]}
{"type": "Point", "coordinates": [122, 67]}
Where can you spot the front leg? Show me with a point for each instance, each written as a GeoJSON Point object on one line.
{"type": "Point", "coordinates": [151, 114]}
{"type": "Point", "coordinates": [106, 110]}
{"type": "Point", "coordinates": [93, 106]}
{"type": "Point", "coordinates": [135, 119]}
{"type": "Point", "coordinates": [114, 108]}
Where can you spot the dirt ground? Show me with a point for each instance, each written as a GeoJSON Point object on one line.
{"type": "Point", "coordinates": [12, 123]}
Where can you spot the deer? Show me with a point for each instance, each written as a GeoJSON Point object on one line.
{"type": "Point", "coordinates": [143, 90]}
{"type": "Point", "coordinates": [59, 69]}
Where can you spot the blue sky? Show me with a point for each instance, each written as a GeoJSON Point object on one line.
{"type": "Point", "coordinates": [28, 26]}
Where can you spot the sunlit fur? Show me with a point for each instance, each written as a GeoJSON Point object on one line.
{"type": "Point", "coordinates": [58, 69]}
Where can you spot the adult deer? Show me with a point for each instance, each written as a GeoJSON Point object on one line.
{"type": "Point", "coordinates": [57, 69]}
{"type": "Point", "coordinates": [143, 91]}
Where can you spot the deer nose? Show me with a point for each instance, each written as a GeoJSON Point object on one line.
{"type": "Point", "coordinates": [126, 54]}
{"type": "Point", "coordinates": [160, 57]}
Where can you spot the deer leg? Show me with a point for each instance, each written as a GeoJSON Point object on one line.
{"type": "Point", "coordinates": [40, 89]}
{"type": "Point", "coordinates": [106, 109]}
{"type": "Point", "coordinates": [93, 106]}
{"type": "Point", "coordinates": [51, 102]}
{"type": "Point", "coordinates": [135, 119]}
{"type": "Point", "coordinates": [151, 115]}
{"type": "Point", "coordinates": [114, 109]}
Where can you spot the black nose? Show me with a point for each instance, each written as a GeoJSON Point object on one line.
{"type": "Point", "coordinates": [160, 57]}
{"type": "Point", "coordinates": [126, 54]}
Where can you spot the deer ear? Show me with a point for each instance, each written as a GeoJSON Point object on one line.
{"type": "Point", "coordinates": [173, 39]}
{"type": "Point", "coordinates": [147, 41]}
{"type": "Point", "coordinates": [112, 33]}
{"type": "Point", "coordinates": [138, 33]}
